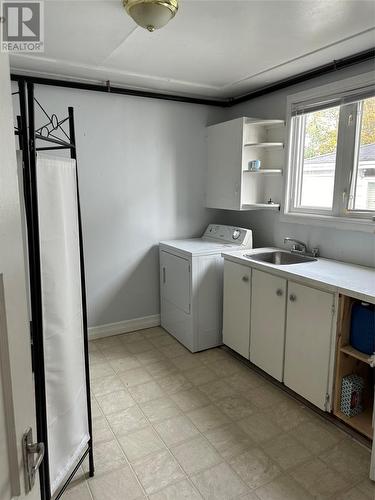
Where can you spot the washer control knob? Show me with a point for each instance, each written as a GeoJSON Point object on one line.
{"type": "Point", "coordinates": [236, 234]}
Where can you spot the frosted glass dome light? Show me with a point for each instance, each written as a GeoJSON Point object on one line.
{"type": "Point", "coordinates": [151, 14]}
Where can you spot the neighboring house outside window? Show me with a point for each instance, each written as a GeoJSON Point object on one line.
{"type": "Point", "coordinates": [319, 174]}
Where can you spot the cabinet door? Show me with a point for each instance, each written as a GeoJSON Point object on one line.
{"type": "Point", "coordinates": [267, 338]}
{"type": "Point", "coordinates": [224, 173]}
{"type": "Point", "coordinates": [308, 342]}
{"type": "Point", "coordinates": [236, 320]}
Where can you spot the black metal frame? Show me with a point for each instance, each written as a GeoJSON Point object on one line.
{"type": "Point", "coordinates": [330, 67]}
{"type": "Point", "coordinates": [28, 136]}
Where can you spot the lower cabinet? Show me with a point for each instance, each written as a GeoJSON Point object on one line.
{"type": "Point", "coordinates": [236, 315]}
{"type": "Point", "coordinates": [268, 295]}
{"type": "Point", "coordinates": [283, 327]}
{"type": "Point", "coordinates": [308, 342]}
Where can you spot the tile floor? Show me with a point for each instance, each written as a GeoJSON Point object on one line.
{"type": "Point", "coordinates": [171, 425]}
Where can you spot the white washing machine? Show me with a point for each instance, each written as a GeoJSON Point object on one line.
{"type": "Point", "coordinates": [191, 284]}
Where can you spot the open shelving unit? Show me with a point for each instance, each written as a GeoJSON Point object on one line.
{"type": "Point", "coordinates": [231, 146]}
{"type": "Point", "coordinates": [348, 361]}
{"type": "Point", "coordinates": [264, 141]}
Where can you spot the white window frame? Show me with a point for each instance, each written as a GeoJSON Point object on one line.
{"type": "Point", "coordinates": [346, 151]}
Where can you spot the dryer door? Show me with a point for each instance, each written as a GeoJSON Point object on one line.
{"type": "Point", "coordinates": [175, 280]}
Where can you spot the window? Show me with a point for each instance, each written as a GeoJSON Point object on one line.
{"type": "Point", "coordinates": [362, 192]}
{"type": "Point", "coordinates": [319, 145]}
{"type": "Point", "coordinates": [332, 154]}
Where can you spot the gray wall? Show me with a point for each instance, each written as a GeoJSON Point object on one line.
{"type": "Point", "coordinates": [142, 169]}
{"type": "Point", "coordinates": [350, 246]}
{"type": "Point", "coordinates": [142, 177]}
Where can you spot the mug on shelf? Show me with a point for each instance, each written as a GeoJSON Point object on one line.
{"type": "Point", "coordinates": [254, 165]}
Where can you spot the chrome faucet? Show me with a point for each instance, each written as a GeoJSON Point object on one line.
{"type": "Point", "coordinates": [301, 247]}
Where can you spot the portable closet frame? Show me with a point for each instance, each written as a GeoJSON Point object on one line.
{"type": "Point", "coordinates": [28, 136]}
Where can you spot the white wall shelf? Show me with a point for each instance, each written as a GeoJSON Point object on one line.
{"type": "Point", "coordinates": [263, 123]}
{"type": "Point", "coordinates": [266, 171]}
{"type": "Point", "coordinates": [261, 206]}
{"type": "Point", "coordinates": [350, 351]}
{"type": "Point", "coordinates": [232, 145]}
{"type": "Point", "coordinates": [264, 145]}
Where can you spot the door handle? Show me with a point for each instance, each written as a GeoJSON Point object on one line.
{"type": "Point", "coordinates": [292, 297]}
{"type": "Point", "coordinates": [30, 464]}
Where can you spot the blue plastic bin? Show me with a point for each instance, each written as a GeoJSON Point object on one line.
{"type": "Point", "coordinates": [362, 328]}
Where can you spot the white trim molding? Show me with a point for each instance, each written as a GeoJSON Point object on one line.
{"type": "Point", "coordinates": [345, 223]}
{"type": "Point", "coordinates": [126, 326]}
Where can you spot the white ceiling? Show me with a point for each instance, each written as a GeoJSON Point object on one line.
{"type": "Point", "coordinates": [211, 49]}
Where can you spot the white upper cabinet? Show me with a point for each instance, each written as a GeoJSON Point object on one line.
{"type": "Point", "coordinates": [224, 165]}
{"type": "Point", "coordinates": [232, 145]}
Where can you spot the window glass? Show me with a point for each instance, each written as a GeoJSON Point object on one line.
{"type": "Point", "coordinates": [363, 185]}
{"type": "Point", "coordinates": [319, 158]}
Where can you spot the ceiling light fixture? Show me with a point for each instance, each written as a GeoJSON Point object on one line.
{"type": "Point", "coordinates": [151, 14]}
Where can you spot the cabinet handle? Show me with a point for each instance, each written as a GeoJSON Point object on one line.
{"type": "Point", "coordinates": [279, 292]}
{"type": "Point", "coordinates": [164, 275]}
{"type": "Point", "coordinates": [292, 297]}
{"type": "Point", "coordinates": [245, 279]}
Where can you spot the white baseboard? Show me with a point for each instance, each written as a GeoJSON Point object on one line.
{"type": "Point", "coordinates": [129, 325]}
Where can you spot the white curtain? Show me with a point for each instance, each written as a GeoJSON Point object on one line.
{"type": "Point", "coordinates": [62, 315]}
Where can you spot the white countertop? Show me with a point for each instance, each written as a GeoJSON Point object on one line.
{"type": "Point", "coordinates": [355, 281]}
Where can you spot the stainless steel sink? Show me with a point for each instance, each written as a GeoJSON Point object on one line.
{"type": "Point", "coordinates": [280, 258]}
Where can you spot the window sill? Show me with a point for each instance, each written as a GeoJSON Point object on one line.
{"type": "Point", "coordinates": [346, 223]}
